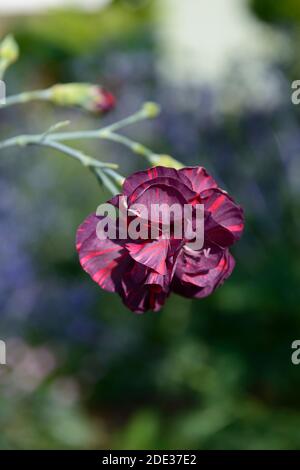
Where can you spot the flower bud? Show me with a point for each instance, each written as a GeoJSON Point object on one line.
{"type": "Point", "coordinates": [9, 50]}
{"type": "Point", "coordinates": [90, 97]}
{"type": "Point", "coordinates": [151, 110]}
{"type": "Point", "coordinates": [168, 161]}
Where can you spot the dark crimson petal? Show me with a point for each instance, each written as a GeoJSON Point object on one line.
{"type": "Point", "coordinates": [146, 176]}
{"type": "Point", "coordinates": [195, 262]}
{"type": "Point", "coordinates": [135, 276]}
{"type": "Point", "coordinates": [157, 298]}
{"type": "Point", "coordinates": [159, 281]}
{"type": "Point", "coordinates": [199, 178]}
{"type": "Point", "coordinates": [161, 190]}
{"type": "Point", "coordinates": [175, 247]}
{"type": "Point", "coordinates": [185, 289]}
{"type": "Point", "coordinates": [136, 300]}
{"type": "Point", "coordinates": [152, 254]}
{"type": "Point", "coordinates": [215, 276]}
{"type": "Point", "coordinates": [144, 298]}
{"type": "Point", "coordinates": [85, 230]}
{"type": "Point", "coordinates": [141, 291]}
{"type": "Point", "coordinates": [215, 234]}
{"type": "Point", "coordinates": [104, 260]}
{"type": "Point", "coordinates": [224, 211]}
{"type": "Point", "coordinates": [203, 284]}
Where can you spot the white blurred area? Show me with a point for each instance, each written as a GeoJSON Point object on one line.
{"type": "Point", "coordinates": [20, 7]}
{"type": "Point", "coordinates": [221, 44]}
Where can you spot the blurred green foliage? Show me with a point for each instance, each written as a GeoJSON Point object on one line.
{"type": "Point", "coordinates": [76, 32]}
{"type": "Point", "coordinates": [277, 12]}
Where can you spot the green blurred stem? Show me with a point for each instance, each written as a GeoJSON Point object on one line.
{"type": "Point", "coordinates": [24, 140]}
{"type": "Point", "coordinates": [112, 185]}
{"type": "Point", "coordinates": [107, 133]}
{"type": "Point", "coordinates": [148, 111]}
{"type": "Point", "coordinates": [84, 159]}
{"type": "Point", "coordinates": [136, 147]}
{"type": "Point", "coordinates": [104, 134]}
{"type": "Point", "coordinates": [104, 171]}
{"type": "Point", "coordinates": [140, 115]}
{"type": "Point", "coordinates": [41, 95]}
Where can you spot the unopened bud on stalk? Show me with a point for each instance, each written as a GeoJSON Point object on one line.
{"type": "Point", "coordinates": [90, 97]}
{"type": "Point", "coordinates": [151, 110]}
{"type": "Point", "coordinates": [168, 161]}
{"type": "Point", "coordinates": [9, 50]}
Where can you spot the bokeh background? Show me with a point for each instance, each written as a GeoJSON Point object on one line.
{"type": "Point", "coordinates": [83, 372]}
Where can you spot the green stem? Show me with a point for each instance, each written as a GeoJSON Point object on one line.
{"type": "Point", "coordinates": [136, 147]}
{"type": "Point", "coordinates": [26, 97]}
{"type": "Point", "coordinates": [84, 159]}
{"type": "Point", "coordinates": [148, 111]}
{"type": "Point", "coordinates": [24, 140]}
{"type": "Point", "coordinates": [103, 171]}
{"type": "Point", "coordinates": [21, 141]}
{"type": "Point", "coordinates": [119, 179]}
{"type": "Point", "coordinates": [140, 115]}
{"type": "Point", "coordinates": [97, 167]}
{"type": "Point", "coordinates": [104, 179]}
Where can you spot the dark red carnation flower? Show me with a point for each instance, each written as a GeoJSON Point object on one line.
{"type": "Point", "coordinates": [145, 271]}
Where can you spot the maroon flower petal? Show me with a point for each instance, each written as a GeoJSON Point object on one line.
{"type": "Point", "coordinates": [224, 211]}
{"type": "Point", "coordinates": [146, 176]}
{"type": "Point", "coordinates": [161, 191]}
{"type": "Point", "coordinates": [161, 282]}
{"type": "Point", "coordinates": [158, 185]}
{"type": "Point", "coordinates": [104, 260]}
{"type": "Point", "coordinates": [194, 262]}
{"type": "Point", "coordinates": [142, 291]}
{"type": "Point", "coordinates": [143, 298]}
{"type": "Point", "coordinates": [215, 234]}
{"type": "Point", "coordinates": [204, 283]}
{"type": "Point", "coordinates": [152, 254]}
{"type": "Point", "coordinates": [199, 179]}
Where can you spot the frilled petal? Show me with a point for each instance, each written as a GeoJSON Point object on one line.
{"type": "Point", "coordinates": [159, 281]}
{"type": "Point", "coordinates": [224, 211]}
{"type": "Point", "coordinates": [133, 181]}
{"type": "Point", "coordinates": [201, 284]}
{"type": "Point", "coordinates": [158, 185]}
{"type": "Point", "coordinates": [104, 260]}
{"type": "Point", "coordinates": [144, 298]}
{"type": "Point", "coordinates": [143, 290]}
{"type": "Point", "coordinates": [199, 179]}
{"type": "Point", "coordinates": [152, 254]}
{"type": "Point", "coordinates": [192, 262]}
{"type": "Point", "coordinates": [215, 234]}
{"type": "Point", "coordinates": [161, 191]}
